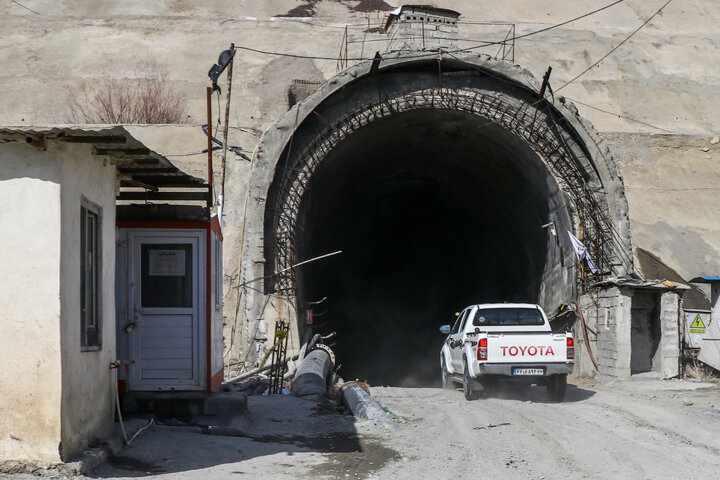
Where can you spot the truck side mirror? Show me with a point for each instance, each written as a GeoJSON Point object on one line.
{"type": "Point", "coordinates": [445, 329]}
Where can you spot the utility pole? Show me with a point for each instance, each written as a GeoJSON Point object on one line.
{"type": "Point", "coordinates": [209, 91]}
{"type": "Point", "coordinates": [221, 198]}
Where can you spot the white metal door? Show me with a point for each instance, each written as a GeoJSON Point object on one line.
{"type": "Point", "coordinates": [165, 299]}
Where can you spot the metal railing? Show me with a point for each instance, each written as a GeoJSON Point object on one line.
{"type": "Point", "coordinates": [492, 38]}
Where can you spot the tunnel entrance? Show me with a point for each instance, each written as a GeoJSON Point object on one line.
{"type": "Point", "coordinates": [441, 191]}
{"type": "Point", "coordinates": [433, 210]}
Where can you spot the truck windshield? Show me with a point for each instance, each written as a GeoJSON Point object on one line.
{"type": "Point", "coordinates": [508, 316]}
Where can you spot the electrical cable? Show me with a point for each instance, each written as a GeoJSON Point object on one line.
{"type": "Point", "coordinates": [236, 150]}
{"type": "Point", "coordinates": [26, 8]}
{"type": "Point", "coordinates": [486, 44]}
{"type": "Point", "coordinates": [518, 37]}
{"type": "Point", "coordinates": [510, 82]}
{"type": "Point", "coordinates": [616, 46]}
{"type": "Point", "coordinates": [585, 335]}
{"type": "Point", "coordinates": [616, 235]}
{"type": "Point", "coordinates": [619, 115]}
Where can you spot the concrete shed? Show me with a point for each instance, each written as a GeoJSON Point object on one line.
{"type": "Point", "coordinates": [59, 189]}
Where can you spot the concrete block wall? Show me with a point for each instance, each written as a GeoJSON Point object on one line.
{"type": "Point", "coordinates": [609, 314]}
{"type": "Point", "coordinates": [667, 358]}
{"type": "Point", "coordinates": [430, 33]}
{"type": "Point", "coordinates": [613, 331]}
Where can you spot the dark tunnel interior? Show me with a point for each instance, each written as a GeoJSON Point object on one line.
{"type": "Point", "coordinates": [433, 210]}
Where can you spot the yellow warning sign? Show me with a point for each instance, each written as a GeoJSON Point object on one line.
{"type": "Point", "coordinates": [697, 326]}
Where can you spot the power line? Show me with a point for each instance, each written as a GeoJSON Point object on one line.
{"type": "Point", "coordinates": [569, 21]}
{"type": "Point", "coordinates": [536, 102]}
{"type": "Point", "coordinates": [551, 27]}
{"type": "Point", "coordinates": [26, 8]}
{"type": "Point", "coordinates": [619, 115]}
{"type": "Point", "coordinates": [484, 44]}
{"type": "Point", "coordinates": [616, 46]}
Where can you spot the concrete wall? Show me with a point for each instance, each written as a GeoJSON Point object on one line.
{"type": "Point", "coordinates": [216, 311]}
{"type": "Point", "coordinates": [55, 399]}
{"type": "Point", "coordinates": [30, 377]}
{"type": "Point", "coordinates": [613, 332]}
{"type": "Point", "coordinates": [664, 76]}
{"type": "Point", "coordinates": [88, 391]}
{"type": "Point", "coordinates": [667, 358]}
{"type": "Point", "coordinates": [608, 316]}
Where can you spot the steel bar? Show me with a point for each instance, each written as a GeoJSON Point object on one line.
{"type": "Point", "coordinates": [570, 166]}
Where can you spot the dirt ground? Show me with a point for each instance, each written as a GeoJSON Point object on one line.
{"type": "Point", "coordinates": [640, 429]}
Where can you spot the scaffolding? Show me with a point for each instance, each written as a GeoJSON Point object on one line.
{"type": "Point", "coordinates": [537, 123]}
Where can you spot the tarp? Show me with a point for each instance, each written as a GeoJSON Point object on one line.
{"type": "Point", "coordinates": [582, 253]}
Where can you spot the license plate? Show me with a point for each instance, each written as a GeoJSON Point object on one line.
{"type": "Point", "coordinates": [528, 371]}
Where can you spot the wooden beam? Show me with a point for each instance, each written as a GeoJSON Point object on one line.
{"type": "Point", "coordinates": [169, 180]}
{"type": "Point", "coordinates": [134, 161]}
{"type": "Point", "coordinates": [198, 196]}
{"type": "Point", "coordinates": [139, 171]}
{"type": "Point", "coordinates": [122, 151]}
{"type": "Point", "coordinates": [136, 183]}
{"type": "Point", "coordinates": [93, 139]}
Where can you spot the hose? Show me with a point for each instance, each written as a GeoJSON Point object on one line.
{"type": "Point", "coordinates": [114, 366]}
{"type": "Point", "coordinates": [150, 422]}
{"type": "Point", "coordinates": [117, 403]}
{"type": "Point", "coordinates": [585, 337]}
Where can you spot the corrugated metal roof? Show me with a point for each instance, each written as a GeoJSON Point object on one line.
{"type": "Point", "coordinates": [638, 282]}
{"type": "Point", "coordinates": [137, 165]}
{"type": "Point", "coordinates": [703, 279]}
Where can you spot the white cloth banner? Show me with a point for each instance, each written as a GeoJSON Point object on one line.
{"type": "Point", "coordinates": [582, 253]}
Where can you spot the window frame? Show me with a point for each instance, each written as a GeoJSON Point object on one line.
{"type": "Point", "coordinates": [90, 276]}
{"type": "Point", "coordinates": [460, 319]}
{"type": "Point", "coordinates": [500, 320]}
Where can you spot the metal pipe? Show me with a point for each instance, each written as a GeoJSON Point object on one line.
{"type": "Point", "coordinates": [362, 405]}
{"type": "Point", "coordinates": [311, 376]}
{"type": "Point", "coordinates": [209, 92]}
{"type": "Point", "coordinates": [255, 371]}
{"type": "Point", "coordinates": [225, 130]}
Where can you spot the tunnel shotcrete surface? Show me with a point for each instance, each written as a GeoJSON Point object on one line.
{"type": "Point", "coordinates": [442, 188]}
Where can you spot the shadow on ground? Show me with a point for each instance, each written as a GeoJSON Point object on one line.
{"type": "Point", "coordinates": [280, 432]}
{"type": "Point", "coordinates": [534, 393]}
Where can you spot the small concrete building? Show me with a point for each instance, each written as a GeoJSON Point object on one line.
{"type": "Point", "coordinates": [58, 291]}
{"type": "Point", "coordinates": [633, 327]}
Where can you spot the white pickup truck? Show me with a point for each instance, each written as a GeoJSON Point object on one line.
{"type": "Point", "coordinates": [513, 340]}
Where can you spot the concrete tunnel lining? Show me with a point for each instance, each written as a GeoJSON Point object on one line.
{"type": "Point", "coordinates": [432, 211]}
{"type": "Point", "coordinates": [385, 181]}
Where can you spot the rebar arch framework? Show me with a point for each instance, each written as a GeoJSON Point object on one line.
{"type": "Point", "coordinates": [536, 123]}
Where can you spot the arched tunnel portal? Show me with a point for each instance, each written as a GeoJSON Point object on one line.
{"type": "Point", "coordinates": [443, 184]}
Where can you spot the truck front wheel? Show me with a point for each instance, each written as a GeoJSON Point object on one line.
{"type": "Point", "coordinates": [468, 384]}
{"type": "Point", "coordinates": [556, 386]}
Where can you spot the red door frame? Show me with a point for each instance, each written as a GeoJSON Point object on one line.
{"type": "Point", "coordinates": [212, 383]}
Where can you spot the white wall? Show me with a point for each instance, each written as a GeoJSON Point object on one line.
{"type": "Point", "coordinates": [216, 310]}
{"type": "Point", "coordinates": [88, 383]}
{"type": "Point", "coordinates": [30, 360]}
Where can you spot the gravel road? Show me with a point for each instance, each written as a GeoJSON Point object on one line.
{"type": "Point", "coordinates": [638, 429]}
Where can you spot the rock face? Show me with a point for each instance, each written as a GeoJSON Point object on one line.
{"type": "Point", "coordinates": [653, 100]}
